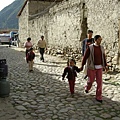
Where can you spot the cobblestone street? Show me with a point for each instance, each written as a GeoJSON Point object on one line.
{"type": "Point", "coordinates": [42, 95]}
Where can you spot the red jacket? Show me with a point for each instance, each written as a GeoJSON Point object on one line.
{"type": "Point", "coordinates": [30, 56]}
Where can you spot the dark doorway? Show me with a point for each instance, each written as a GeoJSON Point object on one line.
{"type": "Point", "coordinates": [118, 60]}
{"type": "Point", "coordinates": [84, 29]}
{"type": "Point", "coordinates": [84, 25]}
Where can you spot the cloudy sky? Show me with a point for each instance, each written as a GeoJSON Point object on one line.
{"type": "Point", "coordinates": [4, 3]}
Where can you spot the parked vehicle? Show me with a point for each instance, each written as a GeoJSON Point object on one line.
{"type": "Point", "coordinates": [14, 38]}
{"type": "Point", "coordinates": [4, 38]}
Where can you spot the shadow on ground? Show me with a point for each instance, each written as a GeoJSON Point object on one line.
{"type": "Point", "coordinates": [44, 95]}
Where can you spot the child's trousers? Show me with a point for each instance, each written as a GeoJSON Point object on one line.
{"type": "Point", "coordinates": [71, 85]}
{"type": "Point", "coordinates": [30, 65]}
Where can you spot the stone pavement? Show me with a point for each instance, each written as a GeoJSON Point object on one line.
{"type": "Point", "coordinates": [42, 95]}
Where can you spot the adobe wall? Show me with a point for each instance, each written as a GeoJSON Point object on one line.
{"type": "Point", "coordinates": [29, 25]}
{"type": "Point", "coordinates": [65, 25]}
{"type": "Point", "coordinates": [61, 26]}
{"type": "Point", "coordinates": [38, 27]}
{"type": "Point", "coordinates": [23, 25]}
{"type": "Point", "coordinates": [103, 18]}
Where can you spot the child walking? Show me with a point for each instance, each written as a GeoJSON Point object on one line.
{"type": "Point", "coordinates": [71, 72]}
{"type": "Point", "coordinates": [30, 57]}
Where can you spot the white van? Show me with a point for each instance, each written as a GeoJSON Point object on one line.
{"type": "Point", "coordinates": [4, 38]}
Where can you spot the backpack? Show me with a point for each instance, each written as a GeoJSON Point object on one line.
{"type": "Point", "coordinates": [30, 56]}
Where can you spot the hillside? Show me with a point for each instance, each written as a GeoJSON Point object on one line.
{"type": "Point", "coordinates": [8, 15]}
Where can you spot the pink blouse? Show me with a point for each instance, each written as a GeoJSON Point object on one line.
{"type": "Point", "coordinates": [28, 45]}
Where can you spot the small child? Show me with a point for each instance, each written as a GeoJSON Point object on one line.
{"type": "Point", "coordinates": [71, 72]}
{"type": "Point", "coordinates": [30, 57]}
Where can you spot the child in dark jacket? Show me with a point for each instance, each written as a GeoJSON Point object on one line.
{"type": "Point", "coordinates": [30, 57]}
{"type": "Point", "coordinates": [71, 72]}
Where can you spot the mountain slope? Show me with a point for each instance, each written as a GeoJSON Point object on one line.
{"type": "Point", "coordinates": [8, 15]}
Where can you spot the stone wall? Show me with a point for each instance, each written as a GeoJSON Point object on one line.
{"type": "Point", "coordinates": [23, 25]}
{"type": "Point", "coordinates": [38, 27]}
{"type": "Point", "coordinates": [31, 24]}
{"type": "Point", "coordinates": [57, 26]}
{"type": "Point", "coordinates": [103, 19]}
{"type": "Point", "coordinates": [66, 23]}
{"type": "Point", "coordinates": [61, 26]}
{"type": "Point", "coordinates": [64, 28]}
